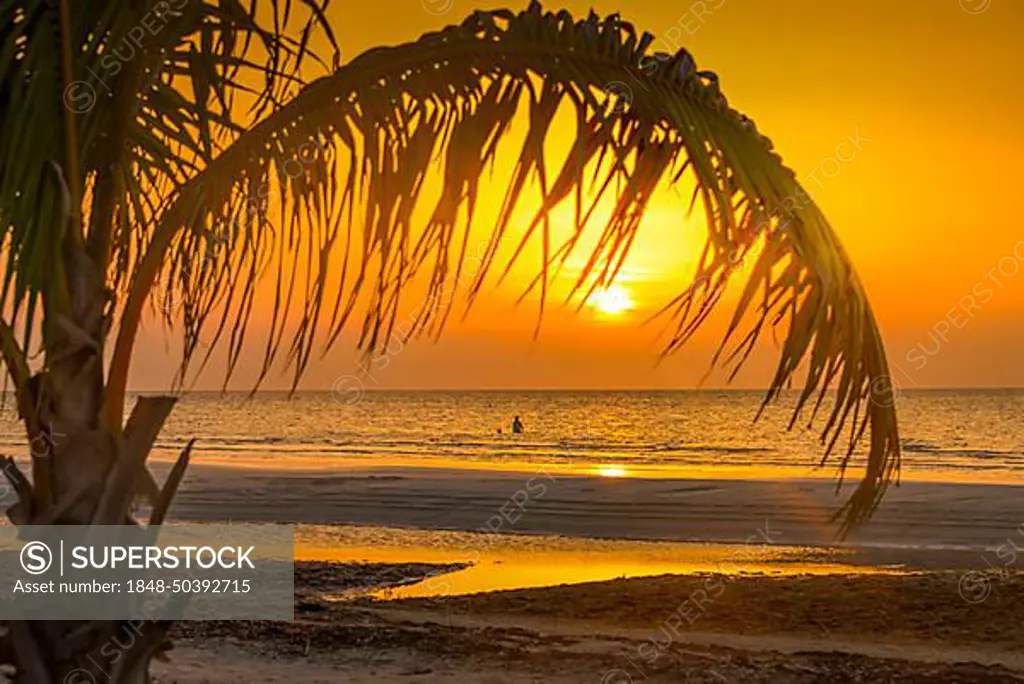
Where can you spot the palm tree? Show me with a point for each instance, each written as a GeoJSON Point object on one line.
{"type": "Point", "coordinates": [138, 143]}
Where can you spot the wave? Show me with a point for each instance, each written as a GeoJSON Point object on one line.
{"type": "Point", "coordinates": [926, 447]}
{"type": "Point", "coordinates": [495, 448]}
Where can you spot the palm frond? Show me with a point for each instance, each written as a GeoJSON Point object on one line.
{"type": "Point", "coordinates": [158, 88]}
{"type": "Point", "coordinates": [361, 141]}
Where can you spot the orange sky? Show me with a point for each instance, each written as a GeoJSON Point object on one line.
{"type": "Point", "coordinates": [931, 91]}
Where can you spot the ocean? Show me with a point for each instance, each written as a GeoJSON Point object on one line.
{"type": "Point", "coordinates": [957, 435]}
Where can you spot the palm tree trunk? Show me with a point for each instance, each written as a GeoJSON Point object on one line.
{"type": "Point", "coordinates": [52, 652]}
{"type": "Point", "coordinates": [89, 485]}
{"type": "Point", "coordinates": [84, 474]}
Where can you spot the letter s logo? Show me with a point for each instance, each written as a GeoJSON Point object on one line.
{"type": "Point", "coordinates": [36, 558]}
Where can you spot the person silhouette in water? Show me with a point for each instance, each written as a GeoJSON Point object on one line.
{"type": "Point", "coordinates": [517, 426]}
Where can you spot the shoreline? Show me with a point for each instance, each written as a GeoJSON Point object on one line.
{"type": "Point", "coordinates": [916, 515]}
{"type": "Point", "coordinates": [296, 462]}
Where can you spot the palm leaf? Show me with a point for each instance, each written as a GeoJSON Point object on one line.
{"type": "Point", "coordinates": [367, 136]}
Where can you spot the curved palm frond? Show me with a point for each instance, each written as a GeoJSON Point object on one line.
{"type": "Point", "coordinates": [367, 137]}
{"type": "Point", "coordinates": [157, 89]}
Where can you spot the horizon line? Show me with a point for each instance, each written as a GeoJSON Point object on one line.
{"type": "Point", "coordinates": [382, 390]}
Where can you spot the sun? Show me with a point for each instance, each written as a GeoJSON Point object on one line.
{"type": "Point", "coordinates": [612, 301]}
{"type": "Point", "coordinates": [611, 471]}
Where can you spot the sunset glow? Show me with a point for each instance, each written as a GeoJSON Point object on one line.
{"type": "Point", "coordinates": [560, 340]}
{"type": "Point", "coordinates": [864, 149]}
{"type": "Point", "coordinates": [612, 301]}
{"type": "Point", "coordinates": [612, 471]}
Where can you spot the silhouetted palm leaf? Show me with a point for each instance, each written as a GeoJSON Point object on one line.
{"type": "Point", "coordinates": [188, 172]}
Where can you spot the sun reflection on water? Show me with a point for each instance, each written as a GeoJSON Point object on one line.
{"type": "Point", "coordinates": [501, 562]}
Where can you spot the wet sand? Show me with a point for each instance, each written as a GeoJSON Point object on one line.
{"type": "Point", "coordinates": [915, 514]}
{"type": "Point", "coordinates": [920, 624]}
{"type": "Point", "coordinates": [702, 629]}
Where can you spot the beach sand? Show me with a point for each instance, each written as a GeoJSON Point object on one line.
{"type": "Point", "coordinates": [949, 612]}
{"type": "Point", "coordinates": [881, 628]}
{"type": "Point", "coordinates": [920, 514]}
